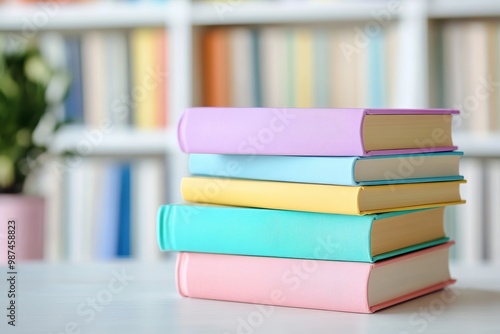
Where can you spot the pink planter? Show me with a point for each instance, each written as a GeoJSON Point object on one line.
{"type": "Point", "coordinates": [28, 214]}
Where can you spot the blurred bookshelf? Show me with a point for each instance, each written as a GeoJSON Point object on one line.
{"type": "Point", "coordinates": [124, 142]}
{"type": "Point", "coordinates": [399, 66]}
{"type": "Point", "coordinates": [85, 15]}
{"type": "Point", "coordinates": [277, 12]}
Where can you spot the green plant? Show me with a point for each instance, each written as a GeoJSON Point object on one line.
{"type": "Point", "coordinates": [25, 77]}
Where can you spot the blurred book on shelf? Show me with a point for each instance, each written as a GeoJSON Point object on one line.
{"type": "Point", "coordinates": [290, 66]}
{"type": "Point", "coordinates": [118, 78]}
{"type": "Point", "coordinates": [109, 210]}
{"type": "Point", "coordinates": [466, 68]}
{"type": "Point", "coordinates": [464, 74]}
{"type": "Point", "coordinates": [105, 187]}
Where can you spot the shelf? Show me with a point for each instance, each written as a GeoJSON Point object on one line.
{"type": "Point", "coordinates": [240, 12]}
{"type": "Point", "coordinates": [121, 142]}
{"type": "Point", "coordinates": [482, 146]}
{"type": "Point", "coordinates": [443, 9]}
{"type": "Point", "coordinates": [78, 16]}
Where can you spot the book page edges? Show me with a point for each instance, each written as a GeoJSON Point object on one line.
{"type": "Point", "coordinates": [411, 248]}
{"type": "Point", "coordinates": [412, 111]}
{"type": "Point", "coordinates": [404, 208]}
{"type": "Point", "coordinates": [412, 295]}
{"type": "Point", "coordinates": [411, 150]}
{"type": "Point", "coordinates": [414, 254]}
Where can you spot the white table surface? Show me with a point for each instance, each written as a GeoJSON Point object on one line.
{"type": "Point", "coordinates": [55, 298]}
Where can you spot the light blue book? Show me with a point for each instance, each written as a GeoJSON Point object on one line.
{"type": "Point", "coordinates": [297, 234]}
{"type": "Point", "coordinates": [107, 235]}
{"type": "Point", "coordinates": [374, 170]}
{"type": "Point", "coordinates": [376, 71]}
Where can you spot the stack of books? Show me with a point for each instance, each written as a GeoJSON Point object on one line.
{"type": "Point", "coordinates": [334, 209]}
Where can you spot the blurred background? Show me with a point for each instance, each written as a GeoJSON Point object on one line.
{"type": "Point", "coordinates": [90, 93]}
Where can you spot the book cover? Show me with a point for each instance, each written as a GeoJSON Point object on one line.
{"type": "Point", "coordinates": [349, 200]}
{"type": "Point", "coordinates": [303, 131]}
{"type": "Point", "coordinates": [294, 234]}
{"type": "Point", "coordinates": [404, 168]}
{"type": "Point", "coordinates": [326, 285]}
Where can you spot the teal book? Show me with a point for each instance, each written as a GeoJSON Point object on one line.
{"type": "Point", "coordinates": [296, 234]}
{"type": "Point", "coordinates": [355, 171]}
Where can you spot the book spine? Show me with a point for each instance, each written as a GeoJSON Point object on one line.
{"type": "Point", "coordinates": [117, 69]}
{"type": "Point", "coordinates": [215, 48]}
{"type": "Point", "coordinates": [74, 100]}
{"type": "Point", "coordinates": [272, 195]}
{"type": "Point", "coordinates": [304, 85]}
{"type": "Point", "coordinates": [343, 70]}
{"type": "Point", "coordinates": [493, 212]}
{"type": "Point", "coordinates": [124, 223]}
{"type": "Point", "coordinates": [275, 281]}
{"type": "Point", "coordinates": [256, 65]}
{"type": "Point", "coordinates": [477, 68]}
{"type": "Point", "coordinates": [321, 68]}
{"type": "Point", "coordinates": [273, 55]}
{"type": "Point", "coordinates": [76, 212]}
{"type": "Point", "coordinates": [290, 60]}
{"type": "Point", "coordinates": [260, 232]}
{"type": "Point", "coordinates": [163, 80]}
{"type": "Point", "coordinates": [376, 73]}
{"type": "Point", "coordinates": [471, 216]}
{"type": "Point", "coordinates": [241, 74]}
{"type": "Point", "coordinates": [109, 213]}
{"type": "Point", "coordinates": [94, 78]}
{"type": "Point", "coordinates": [146, 90]}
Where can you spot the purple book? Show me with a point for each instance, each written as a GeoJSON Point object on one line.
{"type": "Point", "coordinates": [315, 132]}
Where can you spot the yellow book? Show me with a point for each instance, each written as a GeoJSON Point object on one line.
{"type": "Point", "coordinates": [350, 200]}
{"type": "Point", "coordinates": [304, 67]}
{"type": "Point", "coordinates": [146, 77]}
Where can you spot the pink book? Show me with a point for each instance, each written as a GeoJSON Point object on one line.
{"type": "Point", "coordinates": [315, 132]}
{"type": "Point", "coordinates": [327, 285]}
